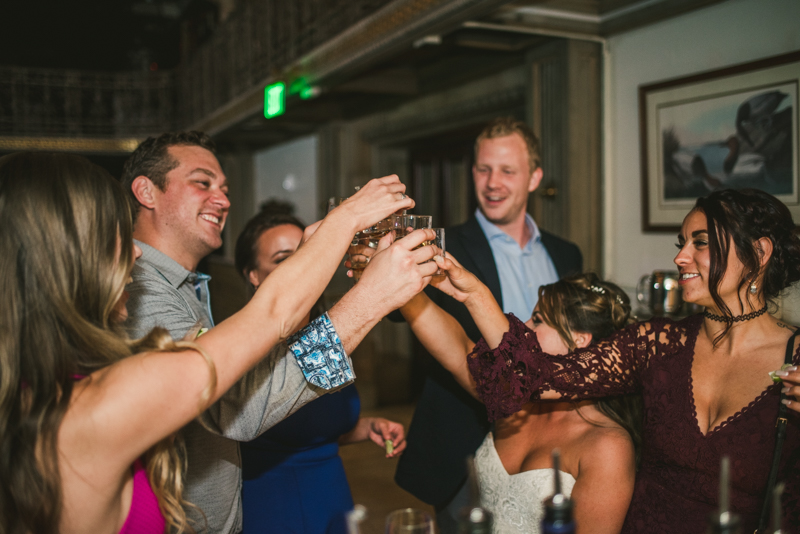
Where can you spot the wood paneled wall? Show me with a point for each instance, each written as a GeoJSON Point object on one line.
{"type": "Point", "coordinates": [564, 108]}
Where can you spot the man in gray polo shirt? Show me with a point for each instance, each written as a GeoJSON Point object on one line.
{"type": "Point", "coordinates": [181, 197]}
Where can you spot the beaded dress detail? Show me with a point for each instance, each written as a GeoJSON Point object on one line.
{"type": "Point", "coordinates": [514, 500]}
{"type": "Point", "coordinates": [677, 485]}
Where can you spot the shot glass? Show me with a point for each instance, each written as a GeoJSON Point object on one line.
{"type": "Point", "coordinates": [409, 521]}
{"type": "Point", "coordinates": [365, 242]}
{"type": "Point", "coordinates": [439, 243]}
{"type": "Point", "coordinates": [408, 223]}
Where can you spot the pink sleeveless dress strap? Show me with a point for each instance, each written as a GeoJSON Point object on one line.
{"type": "Point", "coordinates": [144, 516]}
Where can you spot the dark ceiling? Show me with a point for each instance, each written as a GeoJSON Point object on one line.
{"type": "Point", "coordinates": [101, 35]}
{"type": "Point", "coordinates": [461, 56]}
{"type": "Point", "coordinates": [140, 35]}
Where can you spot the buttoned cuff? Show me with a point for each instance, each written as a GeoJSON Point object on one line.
{"type": "Point", "coordinates": [320, 354]}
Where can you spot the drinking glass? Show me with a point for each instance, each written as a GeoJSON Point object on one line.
{"type": "Point", "coordinates": [409, 521]}
{"type": "Point", "coordinates": [334, 202]}
{"type": "Point", "coordinates": [438, 242]}
{"type": "Point", "coordinates": [368, 238]}
{"type": "Point", "coordinates": [408, 223]}
{"type": "Point", "coordinates": [366, 241]}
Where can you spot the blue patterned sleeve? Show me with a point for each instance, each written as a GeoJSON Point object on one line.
{"type": "Point", "coordinates": [320, 354]}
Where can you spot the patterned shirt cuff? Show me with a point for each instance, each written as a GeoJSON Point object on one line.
{"type": "Point", "coordinates": [320, 354]}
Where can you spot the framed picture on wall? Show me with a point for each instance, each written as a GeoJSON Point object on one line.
{"type": "Point", "coordinates": [735, 127]}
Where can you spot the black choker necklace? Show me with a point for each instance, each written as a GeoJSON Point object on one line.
{"type": "Point", "coordinates": [738, 318]}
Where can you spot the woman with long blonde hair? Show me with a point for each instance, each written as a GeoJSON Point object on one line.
{"type": "Point", "coordinates": [88, 417]}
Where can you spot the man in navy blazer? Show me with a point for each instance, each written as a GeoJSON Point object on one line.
{"type": "Point", "coordinates": [502, 246]}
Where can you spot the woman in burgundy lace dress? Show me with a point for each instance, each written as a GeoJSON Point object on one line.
{"type": "Point", "coordinates": [705, 379]}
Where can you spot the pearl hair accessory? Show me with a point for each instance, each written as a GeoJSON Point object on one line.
{"type": "Point", "coordinates": [602, 291]}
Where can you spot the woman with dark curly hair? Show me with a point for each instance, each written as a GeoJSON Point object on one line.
{"type": "Point", "coordinates": [706, 380]}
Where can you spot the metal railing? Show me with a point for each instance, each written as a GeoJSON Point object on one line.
{"type": "Point", "coordinates": [64, 103]}
{"type": "Point", "coordinates": [258, 40]}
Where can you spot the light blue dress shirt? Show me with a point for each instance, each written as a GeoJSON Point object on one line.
{"type": "Point", "coordinates": [521, 270]}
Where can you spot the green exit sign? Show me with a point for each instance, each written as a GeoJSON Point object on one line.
{"type": "Point", "coordinates": [274, 100]}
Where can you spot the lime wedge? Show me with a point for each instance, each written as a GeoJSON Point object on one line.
{"type": "Point", "coordinates": [775, 378]}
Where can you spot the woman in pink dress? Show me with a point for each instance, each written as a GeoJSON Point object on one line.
{"type": "Point", "coordinates": [88, 417]}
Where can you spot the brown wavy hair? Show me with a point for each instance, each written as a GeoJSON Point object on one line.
{"type": "Point", "coordinates": [65, 252]}
{"type": "Point", "coordinates": [585, 303]}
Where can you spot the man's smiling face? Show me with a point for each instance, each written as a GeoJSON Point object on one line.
{"type": "Point", "coordinates": [503, 178]}
{"type": "Point", "coordinates": [194, 206]}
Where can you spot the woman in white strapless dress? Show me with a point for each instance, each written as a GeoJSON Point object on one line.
{"type": "Point", "coordinates": [598, 440]}
{"type": "Point", "coordinates": [514, 500]}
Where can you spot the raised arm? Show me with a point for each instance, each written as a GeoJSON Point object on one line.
{"type": "Point", "coordinates": [442, 336]}
{"type": "Point", "coordinates": [465, 287]}
{"type": "Point", "coordinates": [508, 368]}
{"type": "Point", "coordinates": [287, 294]}
{"type": "Point", "coordinates": [394, 275]}
{"type": "Point", "coordinates": [518, 371]}
{"type": "Point", "coordinates": [277, 386]}
{"type": "Point", "coordinates": [144, 398]}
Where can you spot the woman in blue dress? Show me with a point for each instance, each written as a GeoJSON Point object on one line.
{"type": "Point", "coordinates": [294, 480]}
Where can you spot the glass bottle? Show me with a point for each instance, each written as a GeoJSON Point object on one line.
{"type": "Point", "coordinates": [557, 508]}
{"type": "Point", "coordinates": [724, 521]}
{"type": "Point", "coordinates": [474, 518]}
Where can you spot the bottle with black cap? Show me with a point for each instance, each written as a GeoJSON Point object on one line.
{"type": "Point", "coordinates": [474, 518]}
{"type": "Point", "coordinates": [724, 521]}
{"type": "Point", "coordinates": [557, 508]}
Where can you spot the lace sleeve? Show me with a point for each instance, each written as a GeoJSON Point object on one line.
{"type": "Point", "coordinates": [517, 371]}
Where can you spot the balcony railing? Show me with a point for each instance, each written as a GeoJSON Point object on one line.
{"type": "Point", "coordinates": [63, 103]}
{"type": "Point", "coordinates": [257, 41]}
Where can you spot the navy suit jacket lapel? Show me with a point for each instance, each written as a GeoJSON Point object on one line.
{"type": "Point", "coordinates": [477, 246]}
{"type": "Point", "coordinates": [562, 261]}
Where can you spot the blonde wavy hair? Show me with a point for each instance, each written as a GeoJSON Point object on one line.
{"type": "Point", "coordinates": [65, 252]}
{"type": "Point", "coordinates": [505, 126]}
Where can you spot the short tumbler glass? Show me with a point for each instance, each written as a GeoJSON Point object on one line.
{"type": "Point", "coordinates": [409, 521]}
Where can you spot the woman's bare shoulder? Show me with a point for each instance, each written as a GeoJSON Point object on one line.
{"type": "Point", "coordinates": [606, 443]}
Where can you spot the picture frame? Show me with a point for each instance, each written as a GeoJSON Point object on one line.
{"type": "Point", "coordinates": [733, 127]}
